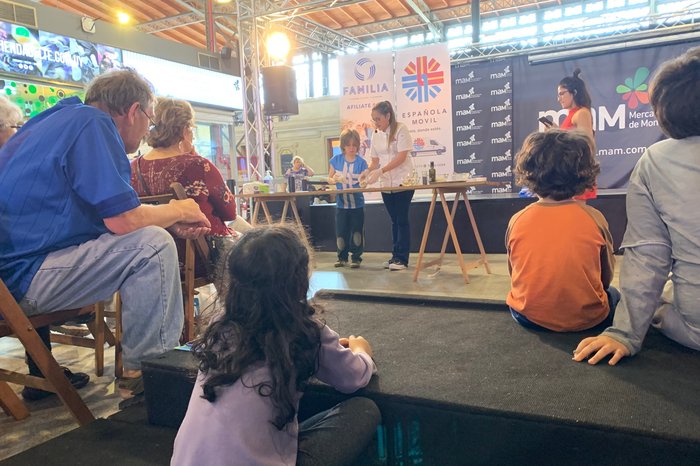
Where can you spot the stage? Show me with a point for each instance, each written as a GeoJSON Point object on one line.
{"type": "Point", "coordinates": [459, 383]}
{"type": "Point", "coordinates": [491, 212]}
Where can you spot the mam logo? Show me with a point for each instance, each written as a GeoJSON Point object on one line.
{"type": "Point", "coordinates": [507, 121]}
{"type": "Point", "coordinates": [506, 138]}
{"type": "Point", "coordinates": [472, 110]}
{"type": "Point", "coordinates": [635, 91]}
{"type": "Point", "coordinates": [504, 90]}
{"type": "Point", "coordinates": [507, 173]}
{"type": "Point", "coordinates": [365, 69]}
{"type": "Point", "coordinates": [505, 73]}
{"type": "Point", "coordinates": [505, 189]}
{"type": "Point", "coordinates": [470, 94]}
{"type": "Point", "coordinates": [472, 126]}
{"type": "Point", "coordinates": [470, 78]}
{"type": "Point", "coordinates": [502, 158]}
{"type": "Point", "coordinates": [502, 108]}
{"type": "Point", "coordinates": [469, 160]}
{"type": "Point", "coordinates": [472, 141]}
{"type": "Point", "coordinates": [423, 79]}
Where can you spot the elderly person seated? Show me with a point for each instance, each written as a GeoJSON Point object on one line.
{"type": "Point", "coordinates": [11, 118]}
{"type": "Point", "coordinates": [173, 159]}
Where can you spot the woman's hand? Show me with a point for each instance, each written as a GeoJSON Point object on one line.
{"type": "Point", "coordinates": [374, 176]}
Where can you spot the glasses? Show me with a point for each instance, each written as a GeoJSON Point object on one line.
{"type": "Point", "coordinates": [560, 94]}
{"type": "Point", "coordinates": [17, 126]}
{"type": "Point", "coordinates": [153, 123]}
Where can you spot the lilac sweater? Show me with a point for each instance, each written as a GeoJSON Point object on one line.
{"type": "Point", "coordinates": [236, 428]}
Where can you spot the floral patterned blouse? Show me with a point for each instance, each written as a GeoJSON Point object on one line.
{"type": "Point", "coordinates": [201, 180]}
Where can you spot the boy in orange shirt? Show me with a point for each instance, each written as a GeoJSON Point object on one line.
{"type": "Point", "coordinates": [560, 251]}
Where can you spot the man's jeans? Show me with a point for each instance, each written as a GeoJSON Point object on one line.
{"type": "Point", "coordinates": [141, 265]}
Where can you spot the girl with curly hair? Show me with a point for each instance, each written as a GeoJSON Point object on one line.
{"type": "Point", "coordinates": [256, 359]}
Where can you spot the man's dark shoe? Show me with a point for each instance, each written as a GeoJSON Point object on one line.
{"type": "Point", "coordinates": [77, 379]}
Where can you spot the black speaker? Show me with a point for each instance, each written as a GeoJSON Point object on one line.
{"type": "Point", "coordinates": [280, 88]}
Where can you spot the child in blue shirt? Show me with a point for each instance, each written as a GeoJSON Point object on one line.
{"type": "Point", "coordinates": [347, 169]}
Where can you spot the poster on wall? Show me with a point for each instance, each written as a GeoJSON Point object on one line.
{"type": "Point", "coordinates": [423, 104]}
{"type": "Point", "coordinates": [365, 80]}
{"type": "Point", "coordinates": [482, 106]}
{"type": "Point", "coordinates": [46, 55]}
{"type": "Point", "coordinates": [618, 83]}
{"type": "Point", "coordinates": [35, 98]}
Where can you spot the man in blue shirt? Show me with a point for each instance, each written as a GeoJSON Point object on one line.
{"type": "Point", "coordinates": [72, 230]}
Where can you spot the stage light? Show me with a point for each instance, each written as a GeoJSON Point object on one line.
{"type": "Point", "coordinates": [123, 18]}
{"type": "Point", "coordinates": [277, 46]}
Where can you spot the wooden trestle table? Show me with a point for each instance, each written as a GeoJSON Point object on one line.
{"type": "Point", "coordinates": [458, 188]}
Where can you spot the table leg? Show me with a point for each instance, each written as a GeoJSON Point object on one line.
{"type": "Point", "coordinates": [447, 231]}
{"type": "Point", "coordinates": [484, 260]}
{"type": "Point", "coordinates": [284, 211]}
{"type": "Point", "coordinates": [268, 217]}
{"type": "Point", "coordinates": [426, 232]}
{"type": "Point", "coordinates": [256, 212]}
{"type": "Point", "coordinates": [453, 234]}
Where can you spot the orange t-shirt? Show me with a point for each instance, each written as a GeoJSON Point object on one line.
{"type": "Point", "coordinates": [560, 257]}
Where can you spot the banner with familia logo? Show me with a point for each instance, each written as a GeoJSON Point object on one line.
{"type": "Point", "coordinates": [365, 79]}
{"type": "Point", "coordinates": [618, 83]}
{"type": "Point", "coordinates": [482, 107]}
{"type": "Point", "coordinates": [423, 104]}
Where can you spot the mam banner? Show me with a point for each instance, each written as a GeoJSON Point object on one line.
{"type": "Point", "coordinates": [482, 105]}
{"type": "Point", "coordinates": [423, 104]}
{"type": "Point", "coordinates": [619, 86]}
{"type": "Point", "coordinates": [366, 79]}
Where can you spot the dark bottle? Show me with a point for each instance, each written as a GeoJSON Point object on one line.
{"type": "Point", "coordinates": [431, 173]}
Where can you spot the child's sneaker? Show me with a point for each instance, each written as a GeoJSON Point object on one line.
{"type": "Point", "coordinates": [397, 265]}
{"type": "Point", "coordinates": [355, 265]}
{"type": "Point", "coordinates": [388, 263]}
{"type": "Point", "coordinates": [340, 263]}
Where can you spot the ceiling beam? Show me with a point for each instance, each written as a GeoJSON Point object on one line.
{"type": "Point", "coordinates": [423, 11]}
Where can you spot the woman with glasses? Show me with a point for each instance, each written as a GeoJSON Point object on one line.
{"type": "Point", "coordinates": [573, 96]}
{"type": "Point", "coordinates": [173, 159]}
{"type": "Point", "coordinates": [10, 119]}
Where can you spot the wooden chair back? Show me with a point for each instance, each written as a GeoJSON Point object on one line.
{"type": "Point", "coordinates": [15, 322]}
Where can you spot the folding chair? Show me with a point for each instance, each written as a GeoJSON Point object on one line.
{"type": "Point", "coordinates": [190, 281]}
{"type": "Point", "coordinates": [14, 322]}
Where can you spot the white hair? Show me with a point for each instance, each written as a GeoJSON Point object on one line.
{"type": "Point", "coordinates": [10, 113]}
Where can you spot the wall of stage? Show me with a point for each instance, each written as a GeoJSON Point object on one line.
{"type": "Point", "coordinates": [491, 212]}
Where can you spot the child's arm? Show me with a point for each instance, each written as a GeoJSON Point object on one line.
{"type": "Point", "coordinates": [309, 170]}
{"type": "Point", "coordinates": [331, 174]}
{"type": "Point", "coordinates": [346, 369]}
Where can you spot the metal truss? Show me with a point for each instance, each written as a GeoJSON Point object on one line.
{"type": "Point", "coordinates": [584, 36]}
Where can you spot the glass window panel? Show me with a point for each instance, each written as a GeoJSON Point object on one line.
{"type": "Point", "coordinates": [508, 22]}
{"type": "Point", "coordinates": [455, 31]}
{"type": "Point", "coordinates": [302, 76]}
{"type": "Point", "coordinates": [527, 19]}
{"type": "Point", "coordinates": [417, 39]}
{"type": "Point", "coordinates": [552, 14]}
{"type": "Point", "coordinates": [490, 25]}
{"type": "Point", "coordinates": [333, 77]}
{"type": "Point", "coordinates": [616, 3]}
{"type": "Point", "coordinates": [596, 6]}
{"type": "Point", "coordinates": [401, 41]}
{"type": "Point", "coordinates": [318, 78]}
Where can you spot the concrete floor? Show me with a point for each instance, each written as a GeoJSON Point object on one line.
{"type": "Point", "coordinates": [49, 418]}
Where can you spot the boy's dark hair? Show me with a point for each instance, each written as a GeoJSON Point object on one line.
{"type": "Point", "coordinates": [577, 88]}
{"type": "Point", "coordinates": [267, 321]}
{"type": "Point", "coordinates": [557, 164]}
{"type": "Point", "coordinates": [675, 95]}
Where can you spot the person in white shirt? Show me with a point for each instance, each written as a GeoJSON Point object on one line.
{"type": "Point", "coordinates": [391, 164]}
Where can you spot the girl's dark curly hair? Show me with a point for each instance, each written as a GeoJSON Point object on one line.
{"type": "Point", "coordinates": [267, 320]}
{"type": "Point", "coordinates": [557, 164]}
{"type": "Point", "coordinates": [577, 88]}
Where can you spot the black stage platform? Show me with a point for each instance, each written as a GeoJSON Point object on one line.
{"type": "Point", "coordinates": [492, 214]}
{"type": "Point", "coordinates": [461, 383]}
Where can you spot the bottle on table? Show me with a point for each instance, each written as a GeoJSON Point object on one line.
{"type": "Point", "coordinates": [267, 179]}
{"type": "Point", "coordinates": [431, 173]}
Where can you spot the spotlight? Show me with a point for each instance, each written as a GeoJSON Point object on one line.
{"type": "Point", "coordinates": [278, 46]}
{"type": "Point", "coordinates": [123, 18]}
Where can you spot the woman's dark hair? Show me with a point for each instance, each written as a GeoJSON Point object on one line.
{"type": "Point", "coordinates": [267, 321]}
{"type": "Point", "coordinates": [675, 95]}
{"type": "Point", "coordinates": [577, 88]}
{"type": "Point", "coordinates": [557, 164]}
{"type": "Point", "coordinates": [384, 107]}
